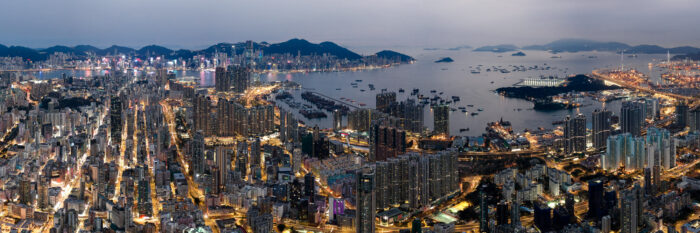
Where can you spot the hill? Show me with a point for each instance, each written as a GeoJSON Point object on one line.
{"type": "Point", "coordinates": [293, 46]}
{"type": "Point", "coordinates": [392, 55]}
{"type": "Point", "coordinates": [497, 48]}
{"type": "Point", "coordinates": [582, 45]}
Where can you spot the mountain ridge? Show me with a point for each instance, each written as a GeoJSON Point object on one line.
{"type": "Point", "coordinates": [293, 46]}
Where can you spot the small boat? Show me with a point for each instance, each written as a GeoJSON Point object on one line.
{"type": "Point", "coordinates": [453, 109]}
{"type": "Point", "coordinates": [492, 82]}
{"type": "Point", "coordinates": [463, 129]}
{"type": "Point", "coordinates": [358, 80]}
{"type": "Point", "coordinates": [470, 105]}
{"type": "Point", "coordinates": [464, 110]}
{"type": "Point", "coordinates": [401, 90]}
{"type": "Point", "coordinates": [362, 90]}
{"type": "Point", "coordinates": [432, 91]}
{"type": "Point", "coordinates": [475, 113]}
{"type": "Point", "coordinates": [480, 109]}
{"type": "Point", "coordinates": [455, 98]}
{"type": "Point", "coordinates": [337, 89]}
{"type": "Point", "coordinates": [475, 72]}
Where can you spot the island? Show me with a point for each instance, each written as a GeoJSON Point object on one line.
{"type": "Point", "coordinates": [497, 48]}
{"type": "Point", "coordinates": [518, 54]}
{"type": "Point", "coordinates": [542, 96]}
{"type": "Point", "coordinates": [444, 60]}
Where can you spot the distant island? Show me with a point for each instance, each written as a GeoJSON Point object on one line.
{"type": "Point", "coordinates": [444, 60]}
{"type": "Point", "coordinates": [582, 45]}
{"type": "Point", "coordinates": [392, 55]}
{"type": "Point", "coordinates": [690, 56]}
{"type": "Point", "coordinates": [541, 96]}
{"type": "Point", "coordinates": [294, 47]}
{"type": "Point", "coordinates": [518, 54]}
{"type": "Point", "coordinates": [451, 49]}
{"type": "Point", "coordinates": [497, 48]}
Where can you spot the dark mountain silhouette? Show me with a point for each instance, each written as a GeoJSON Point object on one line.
{"type": "Point", "coordinates": [305, 48]}
{"type": "Point", "coordinates": [154, 50]}
{"type": "Point", "coordinates": [392, 55]}
{"type": "Point", "coordinates": [497, 48]}
{"type": "Point", "coordinates": [293, 47]}
{"type": "Point", "coordinates": [582, 45]}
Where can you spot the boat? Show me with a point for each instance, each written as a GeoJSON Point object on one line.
{"type": "Point", "coordinates": [470, 105]}
{"type": "Point", "coordinates": [491, 81]}
{"type": "Point", "coordinates": [464, 110]}
{"type": "Point", "coordinates": [453, 109]}
{"type": "Point", "coordinates": [462, 107]}
{"type": "Point", "coordinates": [337, 89]}
{"type": "Point", "coordinates": [475, 113]}
{"type": "Point", "coordinates": [432, 91]}
{"type": "Point", "coordinates": [463, 129]}
{"type": "Point", "coordinates": [362, 90]}
{"type": "Point", "coordinates": [480, 109]}
{"type": "Point", "coordinates": [358, 80]}
{"type": "Point", "coordinates": [455, 98]}
{"type": "Point", "coordinates": [475, 72]}
{"type": "Point", "coordinates": [401, 90]}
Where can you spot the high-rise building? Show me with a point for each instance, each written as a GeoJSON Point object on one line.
{"type": "Point", "coordinates": [595, 199]}
{"type": "Point", "coordinates": [601, 127]}
{"type": "Point", "coordinates": [202, 115]}
{"type": "Point", "coordinates": [543, 216]}
{"type": "Point", "coordinates": [624, 150]}
{"type": "Point", "coordinates": [483, 212]}
{"type": "Point", "coordinates": [628, 212]}
{"type": "Point", "coordinates": [606, 224]}
{"type": "Point", "coordinates": [660, 149]}
{"type": "Point", "coordinates": [240, 77]}
{"type": "Point", "coordinates": [337, 120]}
{"type": "Point", "coordinates": [222, 80]}
{"type": "Point", "coordinates": [515, 213]}
{"type": "Point", "coordinates": [385, 100]}
{"type": "Point", "coordinates": [410, 113]}
{"type": "Point", "coordinates": [197, 153]}
{"type": "Point", "coordinates": [575, 134]}
{"type": "Point", "coordinates": [682, 114]}
{"type": "Point", "coordinates": [632, 115]}
{"type": "Point", "coordinates": [441, 119]}
{"type": "Point", "coordinates": [365, 200]}
{"type": "Point", "coordinates": [502, 213]}
{"type": "Point", "coordinates": [385, 142]}
{"type": "Point", "coordinates": [360, 119]}
{"type": "Point", "coordinates": [694, 121]}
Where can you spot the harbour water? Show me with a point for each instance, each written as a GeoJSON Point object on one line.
{"type": "Point", "coordinates": [455, 79]}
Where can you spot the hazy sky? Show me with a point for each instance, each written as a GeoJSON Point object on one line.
{"type": "Point", "coordinates": [353, 23]}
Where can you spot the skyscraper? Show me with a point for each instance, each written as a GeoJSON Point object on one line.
{"type": "Point", "coordinates": [595, 199]}
{"type": "Point", "coordinates": [385, 100]}
{"type": "Point", "coordinates": [575, 134]}
{"type": "Point", "coordinates": [601, 128]}
{"type": "Point", "coordinates": [240, 77]}
{"type": "Point", "coordinates": [222, 80]}
{"type": "Point", "coordinates": [441, 119]}
{"type": "Point", "coordinates": [337, 120]}
{"type": "Point", "coordinates": [632, 115]}
{"type": "Point", "coordinates": [682, 114]}
{"type": "Point", "coordinates": [365, 200]}
{"type": "Point", "coordinates": [483, 212]}
{"type": "Point", "coordinates": [628, 212]}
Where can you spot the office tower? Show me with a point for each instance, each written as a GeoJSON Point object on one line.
{"type": "Point", "coordinates": [115, 115]}
{"type": "Point", "coordinates": [595, 199]}
{"type": "Point", "coordinates": [483, 212]}
{"type": "Point", "coordinates": [605, 224]}
{"type": "Point", "coordinates": [337, 120]}
{"type": "Point", "coordinates": [441, 119]}
{"type": "Point", "coordinates": [240, 77]}
{"type": "Point", "coordinates": [682, 114]}
{"type": "Point", "coordinates": [628, 212]}
{"type": "Point", "coordinates": [575, 134]}
{"type": "Point", "coordinates": [360, 119]}
{"type": "Point", "coordinates": [560, 218]}
{"type": "Point", "coordinates": [632, 115]}
{"type": "Point", "coordinates": [365, 200]}
{"type": "Point", "coordinates": [502, 213]}
{"type": "Point", "coordinates": [385, 142]}
{"type": "Point", "coordinates": [385, 100]}
{"type": "Point", "coordinates": [222, 80]}
{"type": "Point", "coordinates": [656, 177]}
{"type": "Point", "coordinates": [543, 216]}
{"type": "Point", "coordinates": [601, 128]}
{"type": "Point", "coordinates": [255, 153]}
{"type": "Point", "coordinates": [694, 121]}
{"type": "Point", "coordinates": [639, 198]}
{"type": "Point", "coordinates": [43, 192]}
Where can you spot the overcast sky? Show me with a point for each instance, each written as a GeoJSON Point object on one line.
{"type": "Point", "coordinates": [352, 23]}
